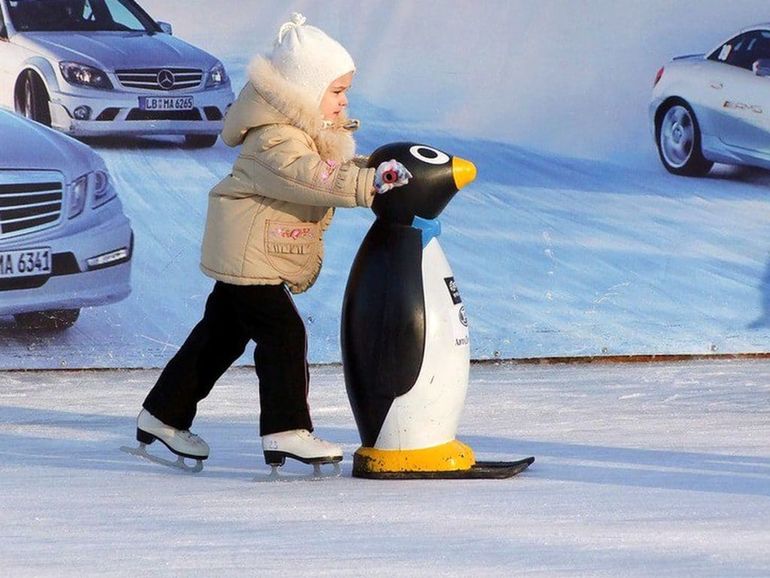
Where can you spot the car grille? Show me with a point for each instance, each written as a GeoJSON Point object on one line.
{"type": "Point", "coordinates": [29, 202]}
{"type": "Point", "coordinates": [160, 79]}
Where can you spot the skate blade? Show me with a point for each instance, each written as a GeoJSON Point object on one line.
{"type": "Point", "coordinates": [179, 464]}
{"type": "Point", "coordinates": [318, 475]}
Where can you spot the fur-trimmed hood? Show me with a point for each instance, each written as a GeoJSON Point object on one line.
{"type": "Point", "coordinates": [269, 99]}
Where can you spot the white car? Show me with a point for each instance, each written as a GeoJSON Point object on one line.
{"type": "Point", "coordinates": [105, 67]}
{"type": "Point", "coordinates": [64, 240]}
{"type": "Point", "coordinates": [715, 107]}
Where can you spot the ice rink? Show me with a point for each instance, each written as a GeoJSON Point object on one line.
{"type": "Point", "coordinates": [657, 469]}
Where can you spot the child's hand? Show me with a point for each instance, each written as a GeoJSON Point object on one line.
{"type": "Point", "coordinates": [390, 174]}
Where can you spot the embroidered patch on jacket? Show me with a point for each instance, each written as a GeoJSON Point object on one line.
{"type": "Point", "coordinates": [282, 231]}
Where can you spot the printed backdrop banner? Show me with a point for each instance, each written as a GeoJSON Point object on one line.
{"type": "Point", "coordinates": [573, 240]}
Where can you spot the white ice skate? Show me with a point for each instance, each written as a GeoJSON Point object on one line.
{"type": "Point", "coordinates": [181, 442]}
{"type": "Point", "coordinates": [301, 445]}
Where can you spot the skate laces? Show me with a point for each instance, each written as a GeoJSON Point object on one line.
{"type": "Point", "coordinates": [189, 436]}
{"type": "Point", "coordinates": [309, 435]}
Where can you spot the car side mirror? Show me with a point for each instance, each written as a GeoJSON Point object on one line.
{"type": "Point", "coordinates": [166, 28]}
{"type": "Point", "coordinates": [761, 67]}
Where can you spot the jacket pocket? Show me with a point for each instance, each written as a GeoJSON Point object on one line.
{"type": "Point", "coordinates": [291, 246]}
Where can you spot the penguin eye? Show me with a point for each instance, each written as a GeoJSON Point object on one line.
{"type": "Point", "coordinates": [429, 155]}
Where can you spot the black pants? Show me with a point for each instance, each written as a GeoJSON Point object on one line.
{"type": "Point", "coordinates": [235, 315]}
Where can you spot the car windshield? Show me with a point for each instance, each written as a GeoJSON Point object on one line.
{"type": "Point", "coordinates": [79, 15]}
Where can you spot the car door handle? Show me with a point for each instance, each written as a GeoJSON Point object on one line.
{"type": "Point", "coordinates": [716, 85]}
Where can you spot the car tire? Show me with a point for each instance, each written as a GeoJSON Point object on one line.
{"type": "Point", "coordinates": [200, 141]}
{"type": "Point", "coordinates": [32, 99]}
{"type": "Point", "coordinates": [51, 320]}
{"type": "Point", "coordinates": [678, 137]}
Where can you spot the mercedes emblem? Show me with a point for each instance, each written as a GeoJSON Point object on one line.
{"type": "Point", "coordinates": [166, 79]}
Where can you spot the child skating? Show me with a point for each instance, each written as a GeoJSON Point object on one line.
{"type": "Point", "coordinates": [263, 241]}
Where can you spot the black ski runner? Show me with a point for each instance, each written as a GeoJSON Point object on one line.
{"type": "Point", "coordinates": [479, 471]}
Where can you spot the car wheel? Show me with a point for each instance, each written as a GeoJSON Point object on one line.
{"type": "Point", "coordinates": [54, 319]}
{"type": "Point", "coordinates": [32, 99]}
{"type": "Point", "coordinates": [679, 142]}
{"type": "Point", "coordinates": [200, 141]}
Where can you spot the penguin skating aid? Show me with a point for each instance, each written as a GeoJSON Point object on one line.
{"type": "Point", "coordinates": [405, 340]}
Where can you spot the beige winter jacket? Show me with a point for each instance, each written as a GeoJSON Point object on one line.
{"type": "Point", "coordinates": [266, 220]}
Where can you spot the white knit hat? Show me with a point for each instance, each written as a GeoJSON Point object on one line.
{"type": "Point", "coordinates": [308, 58]}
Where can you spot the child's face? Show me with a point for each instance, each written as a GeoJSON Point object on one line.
{"type": "Point", "coordinates": [335, 99]}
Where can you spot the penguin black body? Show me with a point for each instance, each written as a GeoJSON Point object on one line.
{"type": "Point", "coordinates": [405, 341]}
{"type": "Point", "coordinates": [383, 320]}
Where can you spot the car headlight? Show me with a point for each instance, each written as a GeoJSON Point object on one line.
{"type": "Point", "coordinates": [217, 76]}
{"type": "Point", "coordinates": [77, 197]}
{"type": "Point", "coordinates": [82, 75]}
{"type": "Point", "coordinates": [103, 191]}
{"type": "Point", "coordinates": [95, 186]}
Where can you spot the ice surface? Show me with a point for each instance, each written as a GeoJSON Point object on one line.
{"type": "Point", "coordinates": [642, 470]}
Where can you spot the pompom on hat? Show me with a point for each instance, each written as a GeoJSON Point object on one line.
{"type": "Point", "coordinates": [308, 58]}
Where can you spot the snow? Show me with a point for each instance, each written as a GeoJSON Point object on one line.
{"type": "Point", "coordinates": [554, 256]}
{"type": "Point", "coordinates": [642, 469]}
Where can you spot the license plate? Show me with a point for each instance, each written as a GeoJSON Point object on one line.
{"type": "Point", "coordinates": [166, 102]}
{"type": "Point", "coordinates": [25, 262]}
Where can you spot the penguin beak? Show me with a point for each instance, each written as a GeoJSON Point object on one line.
{"type": "Point", "coordinates": [463, 172]}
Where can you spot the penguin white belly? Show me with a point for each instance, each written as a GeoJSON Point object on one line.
{"type": "Point", "coordinates": [428, 414]}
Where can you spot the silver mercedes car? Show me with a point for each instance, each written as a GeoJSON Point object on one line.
{"type": "Point", "coordinates": [105, 67]}
{"type": "Point", "coordinates": [715, 107]}
{"type": "Point", "coordinates": [64, 240]}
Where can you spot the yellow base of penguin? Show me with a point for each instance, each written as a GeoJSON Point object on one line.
{"type": "Point", "coordinates": [452, 460]}
{"type": "Point", "coordinates": [448, 457]}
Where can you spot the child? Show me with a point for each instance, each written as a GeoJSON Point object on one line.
{"type": "Point", "coordinates": [264, 239]}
